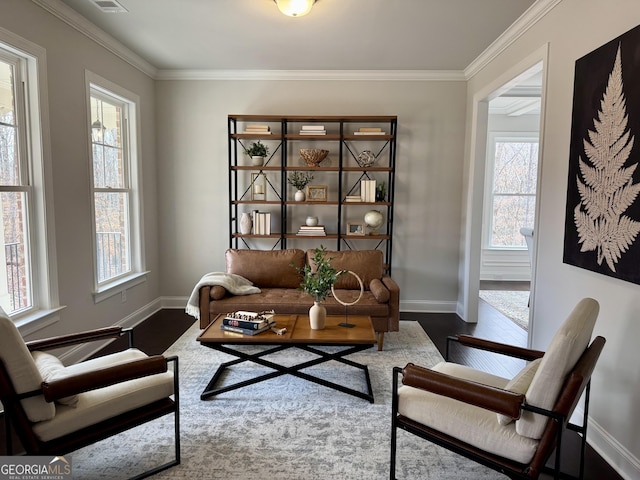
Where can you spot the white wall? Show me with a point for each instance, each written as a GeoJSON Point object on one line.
{"type": "Point", "coordinates": [572, 29]}
{"type": "Point", "coordinates": [68, 54]}
{"type": "Point", "coordinates": [193, 189]}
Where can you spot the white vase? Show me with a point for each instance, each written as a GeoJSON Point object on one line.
{"type": "Point", "coordinates": [245, 223]}
{"type": "Point", "coordinates": [299, 196]}
{"type": "Point", "coordinates": [317, 316]}
{"type": "Point", "coordinates": [311, 221]}
{"type": "Point", "coordinates": [257, 161]}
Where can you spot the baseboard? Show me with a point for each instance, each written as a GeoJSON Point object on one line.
{"type": "Point", "coordinates": [615, 454]}
{"type": "Point", "coordinates": [427, 306]}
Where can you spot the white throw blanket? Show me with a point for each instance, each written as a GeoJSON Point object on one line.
{"type": "Point", "coordinates": [233, 283]}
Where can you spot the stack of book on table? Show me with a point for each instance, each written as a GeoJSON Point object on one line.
{"type": "Point", "coordinates": [248, 323]}
{"type": "Point", "coordinates": [369, 131]}
{"type": "Point", "coordinates": [315, 231]}
{"type": "Point", "coordinates": [258, 129]}
{"type": "Point", "coordinates": [313, 130]}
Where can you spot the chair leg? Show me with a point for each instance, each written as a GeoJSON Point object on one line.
{"type": "Point", "coordinates": [394, 429]}
{"type": "Point", "coordinates": [7, 433]}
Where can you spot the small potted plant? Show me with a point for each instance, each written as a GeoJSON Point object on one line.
{"type": "Point", "coordinates": [257, 151]}
{"type": "Point", "coordinates": [299, 180]}
{"type": "Point", "coordinates": [317, 279]}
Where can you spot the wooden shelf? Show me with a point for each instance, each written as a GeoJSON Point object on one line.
{"type": "Point", "coordinates": [341, 174]}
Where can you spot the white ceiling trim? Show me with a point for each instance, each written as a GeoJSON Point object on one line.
{"type": "Point", "coordinates": [324, 75]}
{"type": "Point", "coordinates": [529, 18]}
{"type": "Point", "coordinates": [82, 25]}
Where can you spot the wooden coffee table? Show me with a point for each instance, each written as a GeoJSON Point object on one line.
{"type": "Point", "coordinates": [298, 335]}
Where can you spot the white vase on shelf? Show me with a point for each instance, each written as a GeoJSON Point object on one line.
{"type": "Point", "coordinates": [299, 196]}
{"type": "Point", "coordinates": [311, 221]}
{"type": "Point", "coordinates": [245, 223]}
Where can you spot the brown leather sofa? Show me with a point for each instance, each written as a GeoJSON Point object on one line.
{"type": "Point", "coordinates": [274, 272]}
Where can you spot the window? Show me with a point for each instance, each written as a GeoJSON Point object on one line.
{"type": "Point", "coordinates": [513, 193]}
{"type": "Point", "coordinates": [28, 274]}
{"type": "Point", "coordinates": [114, 187]}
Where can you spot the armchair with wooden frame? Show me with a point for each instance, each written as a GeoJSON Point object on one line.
{"type": "Point", "coordinates": [511, 426]}
{"type": "Point", "coordinates": [56, 410]}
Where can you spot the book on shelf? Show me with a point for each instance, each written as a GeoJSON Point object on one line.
{"type": "Point", "coordinates": [312, 128]}
{"type": "Point", "coordinates": [367, 190]}
{"type": "Point", "coordinates": [261, 223]}
{"type": "Point", "coordinates": [369, 131]}
{"type": "Point", "coordinates": [258, 128]}
{"type": "Point", "coordinates": [353, 198]}
{"type": "Point", "coordinates": [315, 132]}
{"type": "Point", "coordinates": [317, 230]}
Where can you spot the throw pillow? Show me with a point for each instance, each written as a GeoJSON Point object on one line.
{"type": "Point", "coordinates": [51, 368]}
{"type": "Point", "coordinates": [520, 384]}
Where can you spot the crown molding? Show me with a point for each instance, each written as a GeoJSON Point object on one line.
{"type": "Point", "coordinates": [528, 19]}
{"type": "Point", "coordinates": [82, 25]}
{"type": "Point", "coordinates": [323, 75]}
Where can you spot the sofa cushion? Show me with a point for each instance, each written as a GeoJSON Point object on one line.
{"type": "Point", "coordinates": [267, 268]}
{"type": "Point", "coordinates": [367, 264]}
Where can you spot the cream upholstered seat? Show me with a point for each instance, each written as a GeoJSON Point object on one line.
{"type": "Point", "coordinates": [56, 409]}
{"type": "Point", "coordinates": [502, 423]}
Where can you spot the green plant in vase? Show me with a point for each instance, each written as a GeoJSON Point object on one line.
{"type": "Point", "coordinates": [317, 279]}
{"type": "Point", "coordinates": [257, 151]}
{"type": "Point", "coordinates": [299, 180]}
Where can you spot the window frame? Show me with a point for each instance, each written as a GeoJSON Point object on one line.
{"type": "Point", "coordinates": [32, 104]}
{"type": "Point", "coordinates": [493, 138]}
{"type": "Point", "coordinates": [106, 89]}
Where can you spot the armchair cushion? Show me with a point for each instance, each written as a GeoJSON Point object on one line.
{"type": "Point", "coordinates": [566, 347]}
{"type": "Point", "coordinates": [520, 384]}
{"type": "Point", "coordinates": [22, 370]}
{"type": "Point", "coordinates": [51, 368]}
{"type": "Point", "coordinates": [473, 425]}
{"type": "Point", "coordinates": [98, 405]}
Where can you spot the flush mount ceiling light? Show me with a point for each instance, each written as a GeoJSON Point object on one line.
{"type": "Point", "coordinates": [295, 8]}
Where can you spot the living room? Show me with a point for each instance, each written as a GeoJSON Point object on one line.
{"type": "Point", "coordinates": [183, 126]}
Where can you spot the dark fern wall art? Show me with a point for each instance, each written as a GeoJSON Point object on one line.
{"type": "Point", "coordinates": [602, 223]}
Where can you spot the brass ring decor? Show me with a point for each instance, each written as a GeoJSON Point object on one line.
{"type": "Point", "coordinates": [346, 304]}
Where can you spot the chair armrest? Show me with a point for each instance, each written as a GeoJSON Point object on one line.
{"type": "Point", "coordinates": [496, 347]}
{"type": "Point", "coordinates": [483, 396]}
{"type": "Point", "coordinates": [103, 377]}
{"type": "Point", "coordinates": [394, 302]}
{"type": "Point", "coordinates": [76, 338]}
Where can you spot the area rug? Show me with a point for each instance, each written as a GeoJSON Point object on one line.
{"type": "Point", "coordinates": [512, 303]}
{"type": "Point", "coordinates": [285, 428]}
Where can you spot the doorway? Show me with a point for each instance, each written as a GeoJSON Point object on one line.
{"type": "Point", "coordinates": [520, 85]}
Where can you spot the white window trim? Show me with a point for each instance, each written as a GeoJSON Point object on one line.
{"type": "Point", "coordinates": [138, 273]}
{"type": "Point", "coordinates": [493, 138]}
{"type": "Point", "coordinates": [43, 244]}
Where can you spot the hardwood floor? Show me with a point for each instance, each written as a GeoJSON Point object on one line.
{"type": "Point", "coordinates": [156, 334]}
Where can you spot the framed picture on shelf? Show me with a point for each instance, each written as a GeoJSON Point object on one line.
{"type": "Point", "coordinates": [355, 228]}
{"type": "Point", "coordinates": [317, 193]}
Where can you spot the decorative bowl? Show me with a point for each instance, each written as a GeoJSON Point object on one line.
{"type": "Point", "coordinates": [313, 156]}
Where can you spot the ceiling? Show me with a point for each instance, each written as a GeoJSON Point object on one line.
{"type": "Point", "coordinates": [404, 35]}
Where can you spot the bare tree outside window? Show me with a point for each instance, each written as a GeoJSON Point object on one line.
{"type": "Point", "coordinates": [110, 187]}
{"type": "Point", "coordinates": [514, 192]}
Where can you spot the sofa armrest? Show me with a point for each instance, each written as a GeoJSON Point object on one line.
{"type": "Point", "coordinates": [394, 303]}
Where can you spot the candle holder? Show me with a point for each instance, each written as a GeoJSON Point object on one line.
{"type": "Point", "coordinates": [258, 187]}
